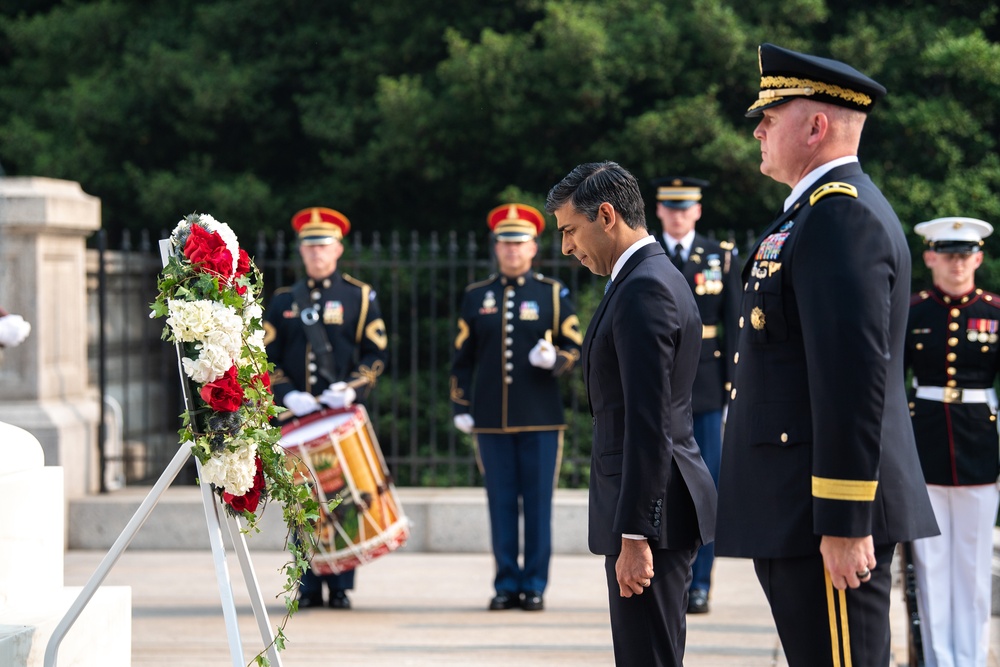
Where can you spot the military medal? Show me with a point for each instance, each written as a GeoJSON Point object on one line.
{"type": "Point", "coordinates": [528, 311]}
{"type": "Point", "coordinates": [333, 313]}
{"type": "Point", "coordinates": [489, 303]}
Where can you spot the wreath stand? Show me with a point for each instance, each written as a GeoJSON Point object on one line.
{"type": "Point", "coordinates": [214, 521]}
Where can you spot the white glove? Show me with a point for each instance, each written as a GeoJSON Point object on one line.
{"type": "Point", "coordinates": [13, 330]}
{"type": "Point", "coordinates": [338, 395]}
{"type": "Point", "coordinates": [464, 422]}
{"type": "Point", "coordinates": [301, 403]}
{"type": "Point", "coordinates": [543, 355]}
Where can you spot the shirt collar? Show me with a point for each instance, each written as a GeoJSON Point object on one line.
{"type": "Point", "coordinates": [685, 240]}
{"type": "Point", "coordinates": [814, 176]}
{"type": "Point", "coordinates": [646, 240]}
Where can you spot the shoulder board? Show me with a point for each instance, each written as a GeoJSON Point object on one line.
{"type": "Point", "coordinates": [545, 279]}
{"type": "Point", "coordinates": [355, 281]}
{"type": "Point", "coordinates": [833, 188]}
{"type": "Point", "coordinates": [481, 283]}
{"type": "Point", "coordinates": [991, 298]}
{"type": "Point", "coordinates": [922, 295]}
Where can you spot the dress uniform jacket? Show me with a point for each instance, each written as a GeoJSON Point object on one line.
{"type": "Point", "coordinates": [500, 321]}
{"type": "Point", "coordinates": [639, 361]}
{"type": "Point", "coordinates": [818, 440]}
{"type": "Point", "coordinates": [348, 312]}
{"type": "Point", "coordinates": [713, 273]}
{"type": "Point", "coordinates": [951, 343]}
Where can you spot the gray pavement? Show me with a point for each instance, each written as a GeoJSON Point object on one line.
{"type": "Point", "coordinates": [425, 609]}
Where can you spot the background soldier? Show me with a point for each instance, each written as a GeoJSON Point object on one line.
{"type": "Point", "coordinates": [322, 332]}
{"type": "Point", "coordinates": [951, 346]}
{"type": "Point", "coordinates": [517, 333]}
{"type": "Point", "coordinates": [713, 275]}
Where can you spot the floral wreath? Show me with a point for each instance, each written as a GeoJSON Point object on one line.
{"type": "Point", "coordinates": [209, 292]}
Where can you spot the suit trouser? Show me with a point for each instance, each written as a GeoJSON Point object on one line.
{"type": "Point", "coordinates": [520, 466]}
{"type": "Point", "coordinates": [708, 435]}
{"type": "Point", "coordinates": [820, 626]}
{"type": "Point", "coordinates": [651, 629]}
{"type": "Point", "coordinates": [954, 576]}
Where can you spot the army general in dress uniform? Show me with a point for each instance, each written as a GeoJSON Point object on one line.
{"type": "Point", "coordinates": [327, 341]}
{"type": "Point", "coordinates": [517, 333]}
{"type": "Point", "coordinates": [713, 273]}
{"type": "Point", "coordinates": [820, 476]}
{"type": "Point", "coordinates": [952, 348]}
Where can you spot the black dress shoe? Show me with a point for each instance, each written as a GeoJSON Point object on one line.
{"type": "Point", "coordinates": [504, 600]}
{"type": "Point", "coordinates": [532, 601]}
{"type": "Point", "coordinates": [698, 602]}
{"type": "Point", "coordinates": [339, 600]}
{"type": "Point", "coordinates": [310, 601]}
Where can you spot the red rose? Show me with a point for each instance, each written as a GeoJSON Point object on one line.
{"type": "Point", "coordinates": [243, 263]}
{"type": "Point", "coordinates": [224, 394]}
{"type": "Point", "coordinates": [265, 381]}
{"type": "Point", "coordinates": [208, 253]}
{"type": "Point", "coordinates": [246, 503]}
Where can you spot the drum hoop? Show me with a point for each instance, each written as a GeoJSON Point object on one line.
{"type": "Point", "coordinates": [400, 525]}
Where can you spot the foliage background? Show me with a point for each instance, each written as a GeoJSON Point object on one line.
{"type": "Point", "coordinates": [419, 115]}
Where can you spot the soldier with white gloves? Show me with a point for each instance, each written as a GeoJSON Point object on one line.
{"type": "Point", "coordinates": [327, 341]}
{"type": "Point", "coordinates": [517, 333]}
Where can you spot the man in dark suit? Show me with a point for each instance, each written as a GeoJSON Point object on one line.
{"type": "Point", "coordinates": [820, 477]}
{"type": "Point", "coordinates": [652, 500]}
{"type": "Point", "coordinates": [710, 269]}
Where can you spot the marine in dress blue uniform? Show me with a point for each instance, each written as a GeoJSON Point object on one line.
{"type": "Point", "coordinates": [820, 477]}
{"type": "Point", "coordinates": [713, 273]}
{"type": "Point", "coordinates": [952, 348]}
{"type": "Point", "coordinates": [348, 312]}
{"type": "Point", "coordinates": [517, 333]}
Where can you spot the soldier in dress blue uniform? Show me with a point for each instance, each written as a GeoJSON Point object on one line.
{"type": "Point", "coordinates": [712, 271]}
{"type": "Point", "coordinates": [517, 333]}
{"type": "Point", "coordinates": [952, 349]}
{"type": "Point", "coordinates": [307, 377]}
{"type": "Point", "coordinates": [820, 477]}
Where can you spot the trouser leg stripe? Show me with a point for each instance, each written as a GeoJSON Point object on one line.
{"type": "Point", "coordinates": [840, 636]}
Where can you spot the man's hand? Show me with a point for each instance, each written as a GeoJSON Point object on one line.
{"type": "Point", "coordinates": [543, 355]}
{"type": "Point", "coordinates": [845, 558]}
{"type": "Point", "coordinates": [634, 567]}
{"type": "Point", "coordinates": [13, 330]}
{"type": "Point", "coordinates": [338, 395]}
{"type": "Point", "coordinates": [301, 403]}
{"type": "Point", "coordinates": [464, 422]}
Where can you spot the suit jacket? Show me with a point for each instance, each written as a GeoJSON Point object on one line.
{"type": "Point", "coordinates": [640, 357]}
{"type": "Point", "coordinates": [712, 271]}
{"type": "Point", "coordinates": [818, 439]}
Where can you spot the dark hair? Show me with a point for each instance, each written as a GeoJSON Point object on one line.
{"type": "Point", "coordinates": [593, 183]}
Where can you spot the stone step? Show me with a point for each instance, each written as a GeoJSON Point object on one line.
{"type": "Point", "coordinates": [451, 520]}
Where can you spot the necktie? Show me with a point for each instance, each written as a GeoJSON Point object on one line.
{"type": "Point", "coordinates": [607, 286]}
{"type": "Point", "coordinates": [677, 258]}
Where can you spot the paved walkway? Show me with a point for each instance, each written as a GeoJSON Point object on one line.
{"type": "Point", "coordinates": [425, 609]}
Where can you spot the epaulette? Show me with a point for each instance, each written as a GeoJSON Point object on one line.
{"type": "Point", "coordinates": [922, 295]}
{"type": "Point", "coordinates": [990, 298]}
{"type": "Point", "coordinates": [833, 188]}
{"type": "Point", "coordinates": [481, 283]}
{"type": "Point", "coordinates": [356, 282]}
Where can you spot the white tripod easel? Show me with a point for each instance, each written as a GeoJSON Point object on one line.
{"type": "Point", "coordinates": [214, 521]}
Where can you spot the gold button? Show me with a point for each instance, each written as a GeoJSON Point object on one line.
{"type": "Point", "coordinates": [986, 348]}
{"type": "Point", "coordinates": [952, 342]}
{"type": "Point", "coordinates": [718, 353]}
{"type": "Point", "coordinates": [947, 299]}
{"type": "Point", "coordinates": [756, 286]}
{"type": "Point", "coordinates": [741, 323]}
{"type": "Point", "coordinates": [952, 383]}
{"type": "Point", "coordinates": [988, 297]}
{"type": "Point", "coordinates": [732, 394]}
{"type": "Point", "coordinates": [912, 405]}
{"type": "Point", "coordinates": [993, 418]}
{"type": "Point", "coordinates": [954, 326]}
{"type": "Point", "coordinates": [955, 312]}
{"type": "Point", "coordinates": [951, 356]}
{"type": "Point", "coordinates": [784, 437]}
{"type": "Point", "coordinates": [912, 413]}
{"type": "Point", "coordinates": [919, 346]}
{"type": "Point", "coordinates": [950, 370]}
{"type": "Point", "coordinates": [736, 358]}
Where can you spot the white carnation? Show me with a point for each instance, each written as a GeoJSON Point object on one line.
{"type": "Point", "coordinates": [232, 471]}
